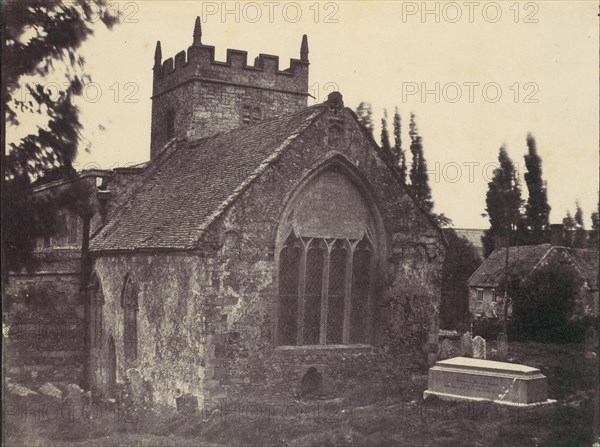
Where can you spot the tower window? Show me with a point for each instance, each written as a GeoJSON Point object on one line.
{"type": "Point", "coordinates": [251, 114]}
{"type": "Point", "coordinates": [246, 115]}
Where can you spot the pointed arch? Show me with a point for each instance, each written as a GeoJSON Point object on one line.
{"type": "Point", "coordinates": [332, 218]}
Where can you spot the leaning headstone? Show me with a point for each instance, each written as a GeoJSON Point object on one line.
{"type": "Point", "coordinates": [591, 343]}
{"type": "Point", "coordinates": [466, 345]}
{"type": "Point", "coordinates": [502, 346]}
{"type": "Point", "coordinates": [446, 349]}
{"type": "Point", "coordinates": [479, 351]}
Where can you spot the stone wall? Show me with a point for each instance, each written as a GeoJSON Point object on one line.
{"type": "Point", "coordinates": [247, 254]}
{"type": "Point", "coordinates": [43, 320]}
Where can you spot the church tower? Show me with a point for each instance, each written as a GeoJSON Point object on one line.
{"type": "Point", "coordinates": [195, 96]}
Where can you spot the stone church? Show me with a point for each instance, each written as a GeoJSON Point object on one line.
{"type": "Point", "coordinates": [264, 242]}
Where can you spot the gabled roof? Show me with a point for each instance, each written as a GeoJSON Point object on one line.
{"type": "Point", "coordinates": [491, 272]}
{"type": "Point", "coordinates": [189, 184]}
{"type": "Point", "coordinates": [472, 235]}
{"type": "Point", "coordinates": [588, 262]}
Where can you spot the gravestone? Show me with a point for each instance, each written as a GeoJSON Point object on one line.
{"type": "Point", "coordinates": [502, 346]}
{"type": "Point", "coordinates": [446, 349]}
{"type": "Point", "coordinates": [466, 345]}
{"type": "Point", "coordinates": [479, 351]}
{"type": "Point", "coordinates": [591, 343]}
{"type": "Point", "coordinates": [467, 379]}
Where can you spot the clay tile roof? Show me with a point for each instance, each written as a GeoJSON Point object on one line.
{"type": "Point", "coordinates": [587, 260]}
{"type": "Point", "coordinates": [491, 272]}
{"type": "Point", "coordinates": [190, 183]}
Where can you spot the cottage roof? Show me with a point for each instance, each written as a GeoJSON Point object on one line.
{"type": "Point", "coordinates": [491, 272]}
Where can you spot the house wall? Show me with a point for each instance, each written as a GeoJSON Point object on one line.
{"type": "Point", "coordinates": [487, 305]}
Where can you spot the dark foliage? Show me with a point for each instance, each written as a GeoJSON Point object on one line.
{"type": "Point", "coordinates": [42, 38]}
{"type": "Point", "coordinates": [537, 209]}
{"type": "Point", "coordinates": [460, 263]}
{"type": "Point", "coordinates": [503, 203]}
{"type": "Point", "coordinates": [543, 302]}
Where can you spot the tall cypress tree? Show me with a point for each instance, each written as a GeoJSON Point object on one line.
{"type": "Point", "coordinates": [537, 209]}
{"type": "Point", "coordinates": [385, 136]}
{"type": "Point", "coordinates": [503, 203]}
{"type": "Point", "coordinates": [419, 179]}
{"type": "Point", "coordinates": [399, 153]}
{"type": "Point", "coordinates": [364, 113]}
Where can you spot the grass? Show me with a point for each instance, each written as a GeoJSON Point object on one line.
{"type": "Point", "coordinates": [371, 417]}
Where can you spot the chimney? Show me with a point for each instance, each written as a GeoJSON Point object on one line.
{"type": "Point", "coordinates": [556, 234]}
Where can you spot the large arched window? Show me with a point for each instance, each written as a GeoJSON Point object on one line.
{"type": "Point", "coordinates": [325, 291]}
{"type": "Point", "coordinates": [96, 300]}
{"type": "Point", "coordinates": [129, 301]}
{"type": "Point", "coordinates": [328, 257]}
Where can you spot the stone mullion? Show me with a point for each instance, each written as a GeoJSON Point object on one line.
{"type": "Point", "coordinates": [369, 335]}
{"type": "Point", "coordinates": [325, 296]}
{"type": "Point", "coordinates": [301, 293]}
{"type": "Point", "coordinates": [347, 296]}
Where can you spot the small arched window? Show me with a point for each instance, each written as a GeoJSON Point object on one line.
{"type": "Point", "coordinates": [96, 300]}
{"type": "Point", "coordinates": [129, 301]}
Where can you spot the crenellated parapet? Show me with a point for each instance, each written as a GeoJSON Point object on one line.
{"type": "Point", "coordinates": [199, 64]}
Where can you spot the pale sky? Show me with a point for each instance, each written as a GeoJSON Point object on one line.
{"type": "Point", "coordinates": [491, 72]}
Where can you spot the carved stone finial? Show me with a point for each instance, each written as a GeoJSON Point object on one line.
{"type": "Point", "coordinates": [335, 101]}
{"type": "Point", "coordinates": [304, 49]}
{"type": "Point", "coordinates": [197, 32]}
{"type": "Point", "coordinates": [157, 54]}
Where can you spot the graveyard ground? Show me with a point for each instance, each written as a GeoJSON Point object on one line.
{"type": "Point", "coordinates": [371, 417]}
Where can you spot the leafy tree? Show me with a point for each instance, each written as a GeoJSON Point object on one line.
{"type": "Point", "coordinates": [385, 137]}
{"type": "Point", "coordinates": [537, 209]}
{"type": "Point", "coordinates": [42, 39]}
{"type": "Point", "coordinates": [580, 233]}
{"type": "Point", "coordinates": [503, 203]}
{"type": "Point", "coordinates": [460, 263]}
{"type": "Point", "coordinates": [595, 233]}
{"type": "Point", "coordinates": [365, 116]}
{"type": "Point", "coordinates": [543, 302]}
{"type": "Point", "coordinates": [399, 154]}
{"type": "Point", "coordinates": [579, 215]}
{"type": "Point", "coordinates": [419, 179]}
{"type": "Point", "coordinates": [569, 222]}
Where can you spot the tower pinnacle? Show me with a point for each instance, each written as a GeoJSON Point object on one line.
{"type": "Point", "coordinates": [197, 32]}
{"type": "Point", "coordinates": [304, 49]}
{"type": "Point", "coordinates": [157, 54]}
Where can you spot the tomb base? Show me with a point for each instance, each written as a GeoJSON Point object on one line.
{"type": "Point", "coordinates": [467, 379]}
